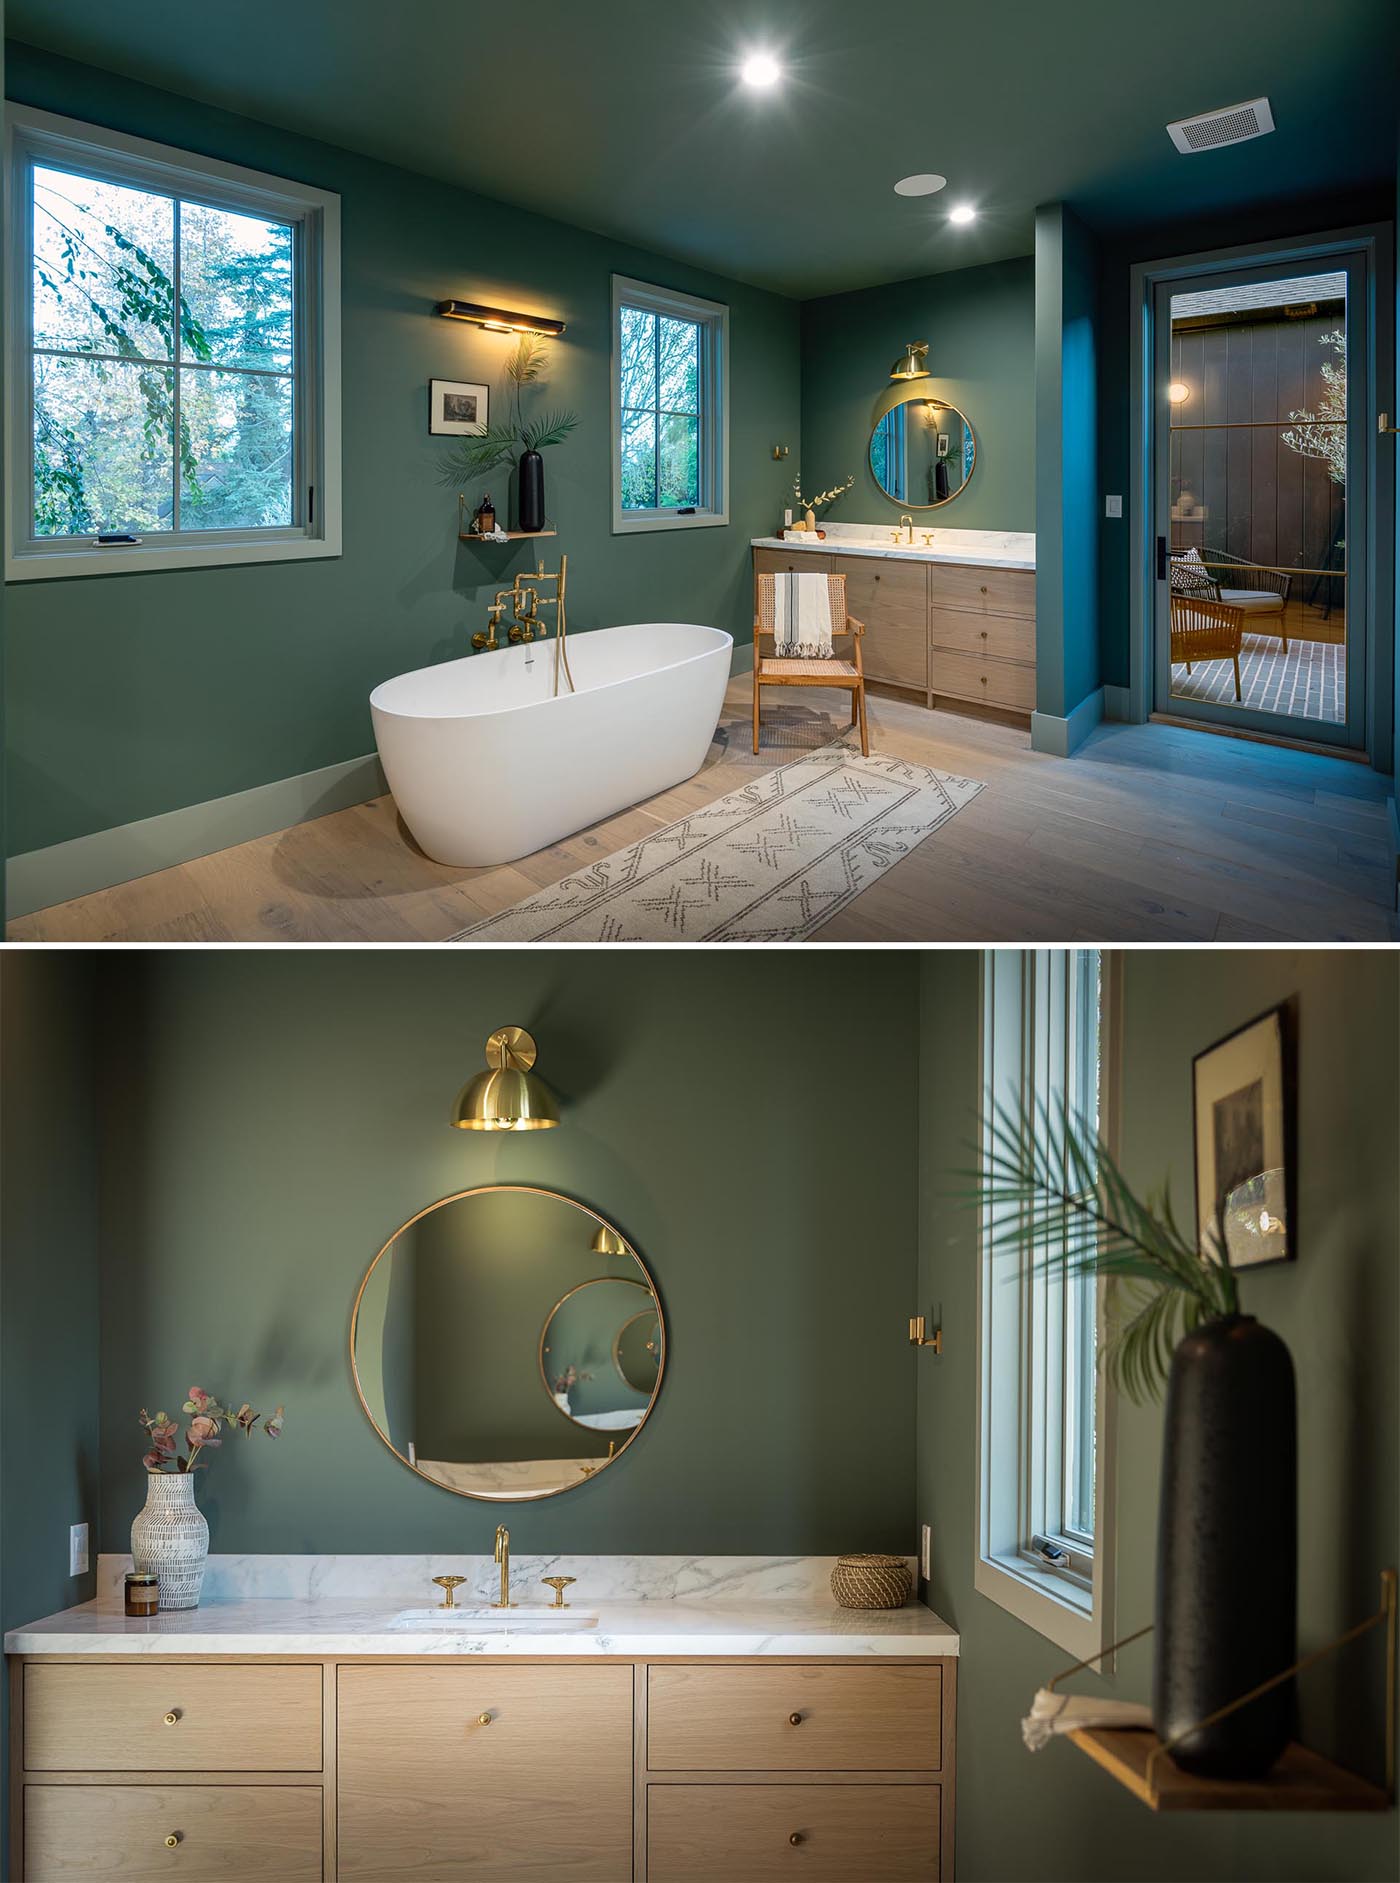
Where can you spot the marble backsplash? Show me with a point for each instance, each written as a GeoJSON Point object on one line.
{"type": "Point", "coordinates": [410, 1578]}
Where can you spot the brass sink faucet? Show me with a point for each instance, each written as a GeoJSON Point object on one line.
{"type": "Point", "coordinates": [910, 522]}
{"type": "Point", "coordinates": [503, 1558]}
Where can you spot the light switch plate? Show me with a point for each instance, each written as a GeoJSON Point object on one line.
{"type": "Point", "coordinates": [925, 1552]}
{"type": "Point", "coordinates": [78, 1549]}
{"type": "Point", "coordinates": [1113, 506]}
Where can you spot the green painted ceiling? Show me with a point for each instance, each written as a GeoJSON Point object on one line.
{"type": "Point", "coordinates": [624, 116]}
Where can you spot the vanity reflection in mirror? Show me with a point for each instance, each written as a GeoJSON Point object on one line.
{"type": "Point", "coordinates": [922, 452]}
{"type": "Point", "coordinates": [507, 1343]}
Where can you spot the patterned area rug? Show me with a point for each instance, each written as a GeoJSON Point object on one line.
{"type": "Point", "coordinates": [768, 863]}
{"type": "Point", "coordinates": [1308, 682]}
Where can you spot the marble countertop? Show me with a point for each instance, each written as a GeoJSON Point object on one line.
{"type": "Point", "coordinates": [334, 1626]}
{"type": "Point", "coordinates": [978, 549]}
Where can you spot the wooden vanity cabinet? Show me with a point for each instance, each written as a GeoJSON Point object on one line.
{"type": "Point", "coordinates": [443, 1769]}
{"type": "Point", "coordinates": [936, 631]}
{"type": "Point", "coordinates": [484, 1770]}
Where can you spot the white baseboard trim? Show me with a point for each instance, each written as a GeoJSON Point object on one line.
{"type": "Point", "coordinates": [40, 878]}
{"type": "Point", "coordinates": [1061, 736]}
{"type": "Point", "coordinates": [740, 659]}
{"type": "Point", "coordinates": [1118, 704]}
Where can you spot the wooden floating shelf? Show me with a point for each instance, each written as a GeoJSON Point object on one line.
{"type": "Point", "coordinates": [512, 536]}
{"type": "Point", "coordinates": [1301, 1781]}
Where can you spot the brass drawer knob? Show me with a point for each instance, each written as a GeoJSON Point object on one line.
{"type": "Point", "coordinates": [984, 679]}
{"type": "Point", "coordinates": [172, 1839]}
{"type": "Point", "coordinates": [484, 1719]}
{"type": "Point", "coordinates": [173, 1717]}
{"type": "Point", "coordinates": [984, 588]}
{"type": "Point", "coordinates": [796, 1838]}
{"type": "Point", "coordinates": [983, 633]}
{"type": "Point", "coordinates": [794, 1719]}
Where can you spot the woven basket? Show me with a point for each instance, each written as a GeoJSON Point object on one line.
{"type": "Point", "coordinates": [871, 1581]}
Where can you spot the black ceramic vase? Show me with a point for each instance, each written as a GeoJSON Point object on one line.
{"type": "Point", "coordinates": [1227, 1548]}
{"type": "Point", "coordinates": [531, 491]}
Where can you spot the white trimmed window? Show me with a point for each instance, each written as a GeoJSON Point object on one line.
{"type": "Point", "coordinates": [1045, 1416]}
{"type": "Point", "coordinates": [173, 357]}
{"type": "Point", "coordinates": [670, 409]}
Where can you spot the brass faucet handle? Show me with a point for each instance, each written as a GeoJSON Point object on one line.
{"type": "Point", "coordinates": [558, 1584]}
{"type": "Point", "coordinates": [479, 639]}
{"type": "Point", "coordinates": [449, 1583]}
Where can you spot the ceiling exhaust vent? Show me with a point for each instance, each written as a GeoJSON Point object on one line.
{"type": "Point", "coordinates": [1231, 124]}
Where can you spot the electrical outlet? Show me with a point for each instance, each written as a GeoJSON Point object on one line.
{"type": "Point", "coordinates": [78, 1549]}
{"type": "Point", "coordinates": [1113, 506]}
{"type": "Point", "coordinates": [925, 1552]}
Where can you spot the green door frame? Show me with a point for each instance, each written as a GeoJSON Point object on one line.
{"type": "Point", "coordinates": [1373, 573]}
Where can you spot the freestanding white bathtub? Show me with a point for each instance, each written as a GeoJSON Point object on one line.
{"type": "Point", "coordinates": [486, 766]}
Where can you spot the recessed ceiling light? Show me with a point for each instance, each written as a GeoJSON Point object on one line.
{"type": "Point", "coordinates": [924, 184]}
{"type": "Point", "coordinates": [760, 70]}
{"type": "Point", "coordinates": [963, 212]}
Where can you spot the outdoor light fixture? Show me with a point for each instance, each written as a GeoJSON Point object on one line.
{"type": "Point", "coordinates": [1178, 392]}
{"type": "Point", "coordinates": [761, 71]}
{"type": "Point", "coordinates": [913, 364]}
{"type": "Point", "coordinates": [508, 1096]}
{"type": "Point", "coordinates": [499, 319]}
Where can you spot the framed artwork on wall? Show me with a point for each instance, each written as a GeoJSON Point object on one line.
{"type": "Point", "coordinates": [1245, 1108]}
{"type": "Point", "coordinates": [457, 410]}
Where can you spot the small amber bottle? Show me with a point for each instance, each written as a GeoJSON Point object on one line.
{"type": "Point", "coordinates": [484, 520]}
{"type": "Point", "coordinates": [142, 1593]}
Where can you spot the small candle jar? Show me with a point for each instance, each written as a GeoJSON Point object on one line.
{"type": "Point", "coordinates": [142, 1593]}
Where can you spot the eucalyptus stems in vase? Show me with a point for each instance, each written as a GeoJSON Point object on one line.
{"type": "Point", "coordinates": [1225, 1621]}
{"type": "Point", "coordinates": [476, 456]}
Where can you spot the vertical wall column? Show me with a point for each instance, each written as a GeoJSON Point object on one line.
{"type": "Point", "coordinates": [1069, 697]}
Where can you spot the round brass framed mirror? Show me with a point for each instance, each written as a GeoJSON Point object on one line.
{"type": "Point", "coordinates": [922, 451]}
{"type": "Point", "coordinates": [469, 1307]}
{"type": "Point", "coordinates": [637, 1350]}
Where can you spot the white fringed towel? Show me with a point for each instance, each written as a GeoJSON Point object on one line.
{"type": "Point", "coordinates": [802, 615]}
{"type": "Point", "coordinates": [1053, 1713]}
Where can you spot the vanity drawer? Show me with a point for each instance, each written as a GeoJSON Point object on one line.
{"type": "Point", "coordinates": [983, 591]}
{"type": "Point", "coordinates": [1004, 637]}
{"type": "Point", "coordinates": [969, 677]}
{"type": "Point", "coordinates": [543, 1789]}
{"type": "Point", "coordinates": [891, 598]}
{"type": "Point", "coordinates": [820, 1833]}
{"type": "Point", "coordinates": [847, 1719]}
{"type": "Point", "coordinates": [171, 1717]}
{"type": "Point", "coordinates": [224, 1833]}
{"type": "Point", "coordinates": [767, 561]}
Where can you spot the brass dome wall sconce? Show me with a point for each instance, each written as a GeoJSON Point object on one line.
{"type": "Point", "coordinates": [509, 1095]}
{"type": "Point", "coordinates": [913, 364]}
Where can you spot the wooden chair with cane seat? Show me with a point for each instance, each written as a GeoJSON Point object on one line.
{"type": "Point", "coordinates": [1206, 630]}
{"type": "Point", "coordinates": [776, 671]}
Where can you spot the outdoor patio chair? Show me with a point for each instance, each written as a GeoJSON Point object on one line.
{"type": "Point", "coordinates": [1206, 630]}
{"type": "Point", "coordinates": [1260, 592]}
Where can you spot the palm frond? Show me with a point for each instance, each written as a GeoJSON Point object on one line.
{"type": "Point", "coordinates": [475, 456]}
{"type": "Point", "coordinates": [551, 429]}
{"type": "Point", "coordinates": [1051, 1193]}
{"type": "Point", "coordinates": [527, 360]}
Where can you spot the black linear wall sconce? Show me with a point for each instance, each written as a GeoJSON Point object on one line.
{"type": "Point", "coordinates": [499, 319]}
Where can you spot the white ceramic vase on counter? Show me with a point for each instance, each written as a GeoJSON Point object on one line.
{"type": "Point", "coordinates": [170, 1538]}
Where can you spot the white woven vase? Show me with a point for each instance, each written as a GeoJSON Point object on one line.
{"type": "Point", "coordinates": [170, 1538]}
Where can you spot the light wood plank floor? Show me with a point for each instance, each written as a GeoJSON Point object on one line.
{"type": "Point", "coordinates": [1150, 833]}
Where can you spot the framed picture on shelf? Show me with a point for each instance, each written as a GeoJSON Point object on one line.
{"type": "Point", "coordinates": [457, 410]}
{"type": "Point", "coordinates": [1245, 1105]}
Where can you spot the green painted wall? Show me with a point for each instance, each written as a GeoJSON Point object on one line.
{"type": "Point", "coordinates": [270, 1118]}
{"type": "Point", "coordinates": [1066, 463]}
{"type": "Point", "coordinates": [1338, 1307]}
{"type": "Point", "coordinates": [136, 694]}
{"type": "Point", "coordinates": [980, 326]}
{"type": "Point", "coordinates": [49, 1348]}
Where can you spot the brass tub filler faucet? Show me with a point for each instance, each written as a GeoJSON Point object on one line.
{"type": "Point", "coordinates": [526, 625]}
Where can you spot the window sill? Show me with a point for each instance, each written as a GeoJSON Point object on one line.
{"type": "Point", "coordinates": [1050, 1604]}
{"type": "Point", "coordinates": [147, 558]}
{"type": "Point", "coordinates": [702, 520]}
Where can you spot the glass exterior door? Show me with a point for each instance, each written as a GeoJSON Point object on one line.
{"type": "Point", "coordinates": [1260, 499]}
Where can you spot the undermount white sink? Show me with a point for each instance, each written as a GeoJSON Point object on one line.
{"type": "Point", "coordinates": [493, 1620]}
